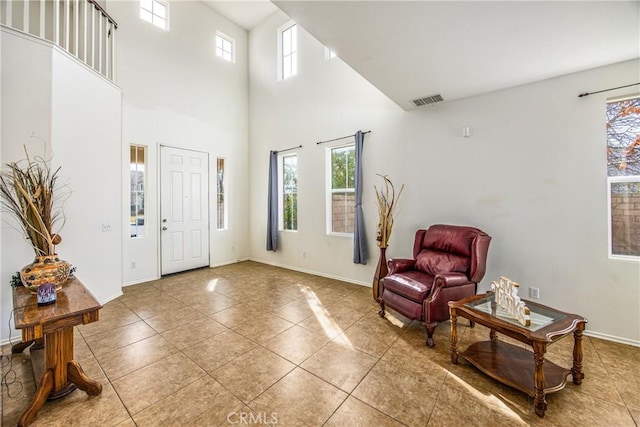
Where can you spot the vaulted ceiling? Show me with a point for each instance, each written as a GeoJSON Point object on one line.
{"type": "Point", "coordinates": [245, 13]}
{"type": "Point", "coordinates": [458, 49]}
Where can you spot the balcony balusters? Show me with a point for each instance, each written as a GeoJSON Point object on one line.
{"type": "Point", "coordinates": [80, 27]}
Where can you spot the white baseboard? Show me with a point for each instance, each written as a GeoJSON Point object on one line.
{"type": "Point", "coordinates": [613, 338]}
{"type": "Point", "coordinates": [13, 340]}
{"type": "Point", "coordinates": [111, 298]}
{"type": "Point", "coordinates": [222, 264]}
{"type": "Point", "coordinates": [137, 282]}
{"type": "Point", "coordinates": [315, 273]}
{"type": "Point", "coordinates": [152, 278]}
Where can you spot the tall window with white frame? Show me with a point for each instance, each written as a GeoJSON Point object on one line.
{"type": "Point", "coordinates": [341, 200]}
{"type": "Point", "coordinates": [221, 206]}
{"type": "Point", "coordinates": [289, 190]}
{"type": "Point", "coordinates": [137, 180]}
{"type": "Point", "coordinates": [225, 47]}
{"type": "Point", "coordinates": [329, 54]}
{"type": "Point", "coordinates": [155, 12]}
{"type": "Point", "coordinates": [288, 49]}
{"type": "Point", "coordinates": [623, 177]}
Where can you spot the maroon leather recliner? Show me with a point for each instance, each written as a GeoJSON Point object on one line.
{"type": "Point", "coordinates": [449, 261]}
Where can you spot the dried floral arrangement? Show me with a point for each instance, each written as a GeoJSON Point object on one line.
{"type": "Point", "coordinates": [387, 201]}
{"type": "Point", "coordinates": [31, 193]}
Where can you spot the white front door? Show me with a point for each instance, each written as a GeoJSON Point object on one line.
{"type": "Point", "coordinates": [184, 209]}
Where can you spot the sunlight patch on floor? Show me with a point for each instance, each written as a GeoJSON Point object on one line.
{"type": "Point", "coordinates": [395, 321]}
{"type": "Point", "coordinates": [331, 329]}
{"type": "Point", "coordinates": [211, 286]}
{"type": "Point", "coordinates": [491, 401]}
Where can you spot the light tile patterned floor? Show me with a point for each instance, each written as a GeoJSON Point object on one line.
{"type": "Point", "coordinates": [254, 344]}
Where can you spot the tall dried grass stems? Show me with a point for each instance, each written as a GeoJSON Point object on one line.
{"type": "Point", "coordinates": [31, 193]}
{"type": "Point", "coordinates": [387, 200]}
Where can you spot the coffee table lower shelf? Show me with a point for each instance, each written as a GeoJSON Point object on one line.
{"type": "Point", "coordinates": [514, 366]}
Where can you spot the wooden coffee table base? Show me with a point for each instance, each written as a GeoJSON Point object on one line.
{"type": "Point", "coordinates": [515, 367]}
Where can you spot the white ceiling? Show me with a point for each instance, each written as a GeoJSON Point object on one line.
{"type": "Point", "coordinates": [245, 13]}
{"type": "Point", "coordinates": [464, 48]}
{"type": "Point", "coordinates": [458, 49]}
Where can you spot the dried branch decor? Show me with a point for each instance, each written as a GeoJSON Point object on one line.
{"type": "Point", "coordinates": [30, 192]}
{"type": "Point", "coordinates": [387, 200]}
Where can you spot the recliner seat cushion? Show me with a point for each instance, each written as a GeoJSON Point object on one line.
{"type": "Point", "coordinates": [436, 262]}
{"type": "Point", "coordinates": [414, 285]}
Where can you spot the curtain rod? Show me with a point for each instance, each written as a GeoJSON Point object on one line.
{"type": "Point", "coordinates": [606, 90]}
{"type": "Point", "coordinates": [288, 149]}
{"type": "Point", "coordinates": [342, 137]}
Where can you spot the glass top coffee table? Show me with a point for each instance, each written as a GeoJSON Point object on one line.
{"type": "Point", "coordinates": [515, 366]}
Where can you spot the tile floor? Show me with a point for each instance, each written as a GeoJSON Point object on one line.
{"type": "Point", "coordinates": [254, 344]}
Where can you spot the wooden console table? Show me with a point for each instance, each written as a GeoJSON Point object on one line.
{"type": "Point", "coordinates": [51, 328]}
{"type": "Point", "coordinates": [515, 366]}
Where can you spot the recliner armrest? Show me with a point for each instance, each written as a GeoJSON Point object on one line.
{"type": "Point", "coordinates": [445, 280]}
{"type": "Point", "coordinates": [399, 265]}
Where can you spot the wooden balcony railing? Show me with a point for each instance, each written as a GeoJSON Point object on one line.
{"type": "Point", "coordinates": [81, 27]}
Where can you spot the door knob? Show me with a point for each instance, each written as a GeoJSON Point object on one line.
{"type": "Point", "coordinates": [164, 228]}
{"type": "Point", "coordinates": [164, 219]}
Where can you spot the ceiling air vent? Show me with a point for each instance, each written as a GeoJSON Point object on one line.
{"type": "Point", "coordinates": [427, 100]}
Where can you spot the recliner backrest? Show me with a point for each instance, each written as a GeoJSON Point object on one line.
{"type": "Point", "coordinates": [454, 248]}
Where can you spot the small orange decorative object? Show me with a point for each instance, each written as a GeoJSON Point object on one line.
{"type": "Point", "coordinates": [45, 269]}
{"type": "Point", "coordinates": [56, 239]}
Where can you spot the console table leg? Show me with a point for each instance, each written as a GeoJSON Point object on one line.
{"type": "Point", "coordinates": [454, 336]}
{"type": "Point", "coordinates": [77, 376]}
{"type": "Point", "coordinates": [58, 351]}
{"type": "Point", "coordinates": [539, 402]}
{"type": "Point", "coordinates": [576, 370]}
{"type": "Point", "coordinates": [45, 387]}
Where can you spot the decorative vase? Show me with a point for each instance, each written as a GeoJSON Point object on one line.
{"type": "Point", "coordinates": [381, 271]}
{"type": "Point", "coordinates": [45, 269]}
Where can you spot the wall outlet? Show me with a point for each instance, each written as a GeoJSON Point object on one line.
{"type": "Point", "coordinates": [106, 227]}
{"type": "Point", "coordinates": [133, 265]}
{"type": "Point", "coordinates": [304, 255]}
{"type": "Point", "coordinates": [233, 248]}
{"type": "Point", "coordinates": [534, 293]}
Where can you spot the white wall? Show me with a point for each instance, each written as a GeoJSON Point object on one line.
{"type": "Point", "coordinates": [86, 116]}
{"type": "Point", "coordinates": [325, 100]}
{"type": "Point", "coordinates": [77, 114]}
{"type": "Point", "coordinates": [178, 93]}
{"type": "Point", "coordinates": [532, 175]}
{"type": "Point", "coordinates": [26, 110]}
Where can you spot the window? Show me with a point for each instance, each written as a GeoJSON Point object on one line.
{"type": "Point", "coordinates": [341, 189]}
{"type": "Point", "coordinates": [288, 50]}
{"type": "Point", "coordinates": [225, 47]}
{"type": "Point", "coordinates": [221, 207]}
{"type": "Point", "coordinates": [329, 54]}
{"type": "Point", "coordinates": [289, 192]}
{"type": "Point", "coordinates": [155, 12]}
{"type": "Point", "coordinates": [623, 177]}
{"type": "Point", "coordinates": [137, 178]}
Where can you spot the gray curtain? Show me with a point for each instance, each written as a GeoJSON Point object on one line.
{"type": "Point", "coordinates": [272, 214]}
{"type": "Point", "coordinates": [359, 235]}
